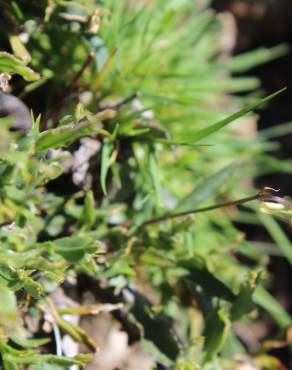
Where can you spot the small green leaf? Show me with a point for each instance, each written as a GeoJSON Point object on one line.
{"type": "Point", "coordinates": [73, 249]}
{"type": "Point", "coordinates": [12, 65]}
{"type": "Point", "coordinates": [65, 135]}
{"type": "Point", "coordinates": [89, 210]}
{"type": "Point", "coordinates": [153, 258]}
{"type": "Point", "coordinates": [34, 288]}
{"type": "Point", "coordinates": [19, 49]}
{"type": "Point", "coordinates": [29, 343]}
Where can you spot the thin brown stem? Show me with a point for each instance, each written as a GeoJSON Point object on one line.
{"type": "Point", "coordinates": [68, 90]}
{"type": "Point", "coordinates": [121, 103]}
{"type": "Point", "coordinates": [170, 216]}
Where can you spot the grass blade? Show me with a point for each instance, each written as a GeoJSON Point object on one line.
{"type": "Point", "coordinates": [206, 188]}
{"type": "Point", "coordinates": [276, 131]}
{"type": "Point", "coordinates": [264, 299]}
{"type": "Point", "coordinates": [154, 171]}
{"type": "Point", "coordinates": [199, 135]}
{"type": "Point", "coordinates": [278, 235]}
{"type": "Point", "coordinates": [246, 61]}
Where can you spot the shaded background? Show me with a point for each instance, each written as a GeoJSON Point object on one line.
{"type": "Point", "coordinates": [269, 23]}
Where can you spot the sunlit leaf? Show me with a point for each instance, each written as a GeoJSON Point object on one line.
{"type": "Point", "coordinates": [74, 248]}
{"type": "Point", "coordinates": [219, 125]}
{"type": "Point", "coordinates": [12, 65]}
{"type": "Point", "coordinates": [65, 135]}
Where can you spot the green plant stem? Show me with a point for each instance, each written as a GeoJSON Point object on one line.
{"type": "Point", "coordinates": [169, 216]}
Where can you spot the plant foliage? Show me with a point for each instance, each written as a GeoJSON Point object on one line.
{"type": "Point", "coordinates": [135, 113]}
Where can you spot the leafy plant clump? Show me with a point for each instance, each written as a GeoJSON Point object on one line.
{"type": "Point", "coordinates": [125, 181]}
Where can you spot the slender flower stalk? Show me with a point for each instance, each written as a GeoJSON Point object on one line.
{"type": "Point", "coordinates": [170, 216]}
{"type": "Point", "coordinates": [264, 196]}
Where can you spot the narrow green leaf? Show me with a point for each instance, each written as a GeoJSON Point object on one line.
{"type": "Point", "coordinates": [276, 131]}
{"type": "Point", "coordinates": [199, 135]}
{"type": "Point", "coordinates": [114, 134]}
{"type": "Point", "coordinates": [17, 11]}
{"type": "Point", "coordinates": [106, 153]}
{"type": "Point", "coordinates": [206, 189]}
{"type": "Point", "coordinates": [278, 235]}
{"type": "Point", "coordinates": [154, 171]}
{"type": "Point", "coordinates": [35, 130]}
{"type": "Point", "coordinates": [178, 143]}
{"type": "Point", "coordinates": [264, 299]}
{"type": "Point", "coordinates": [251, 59]}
